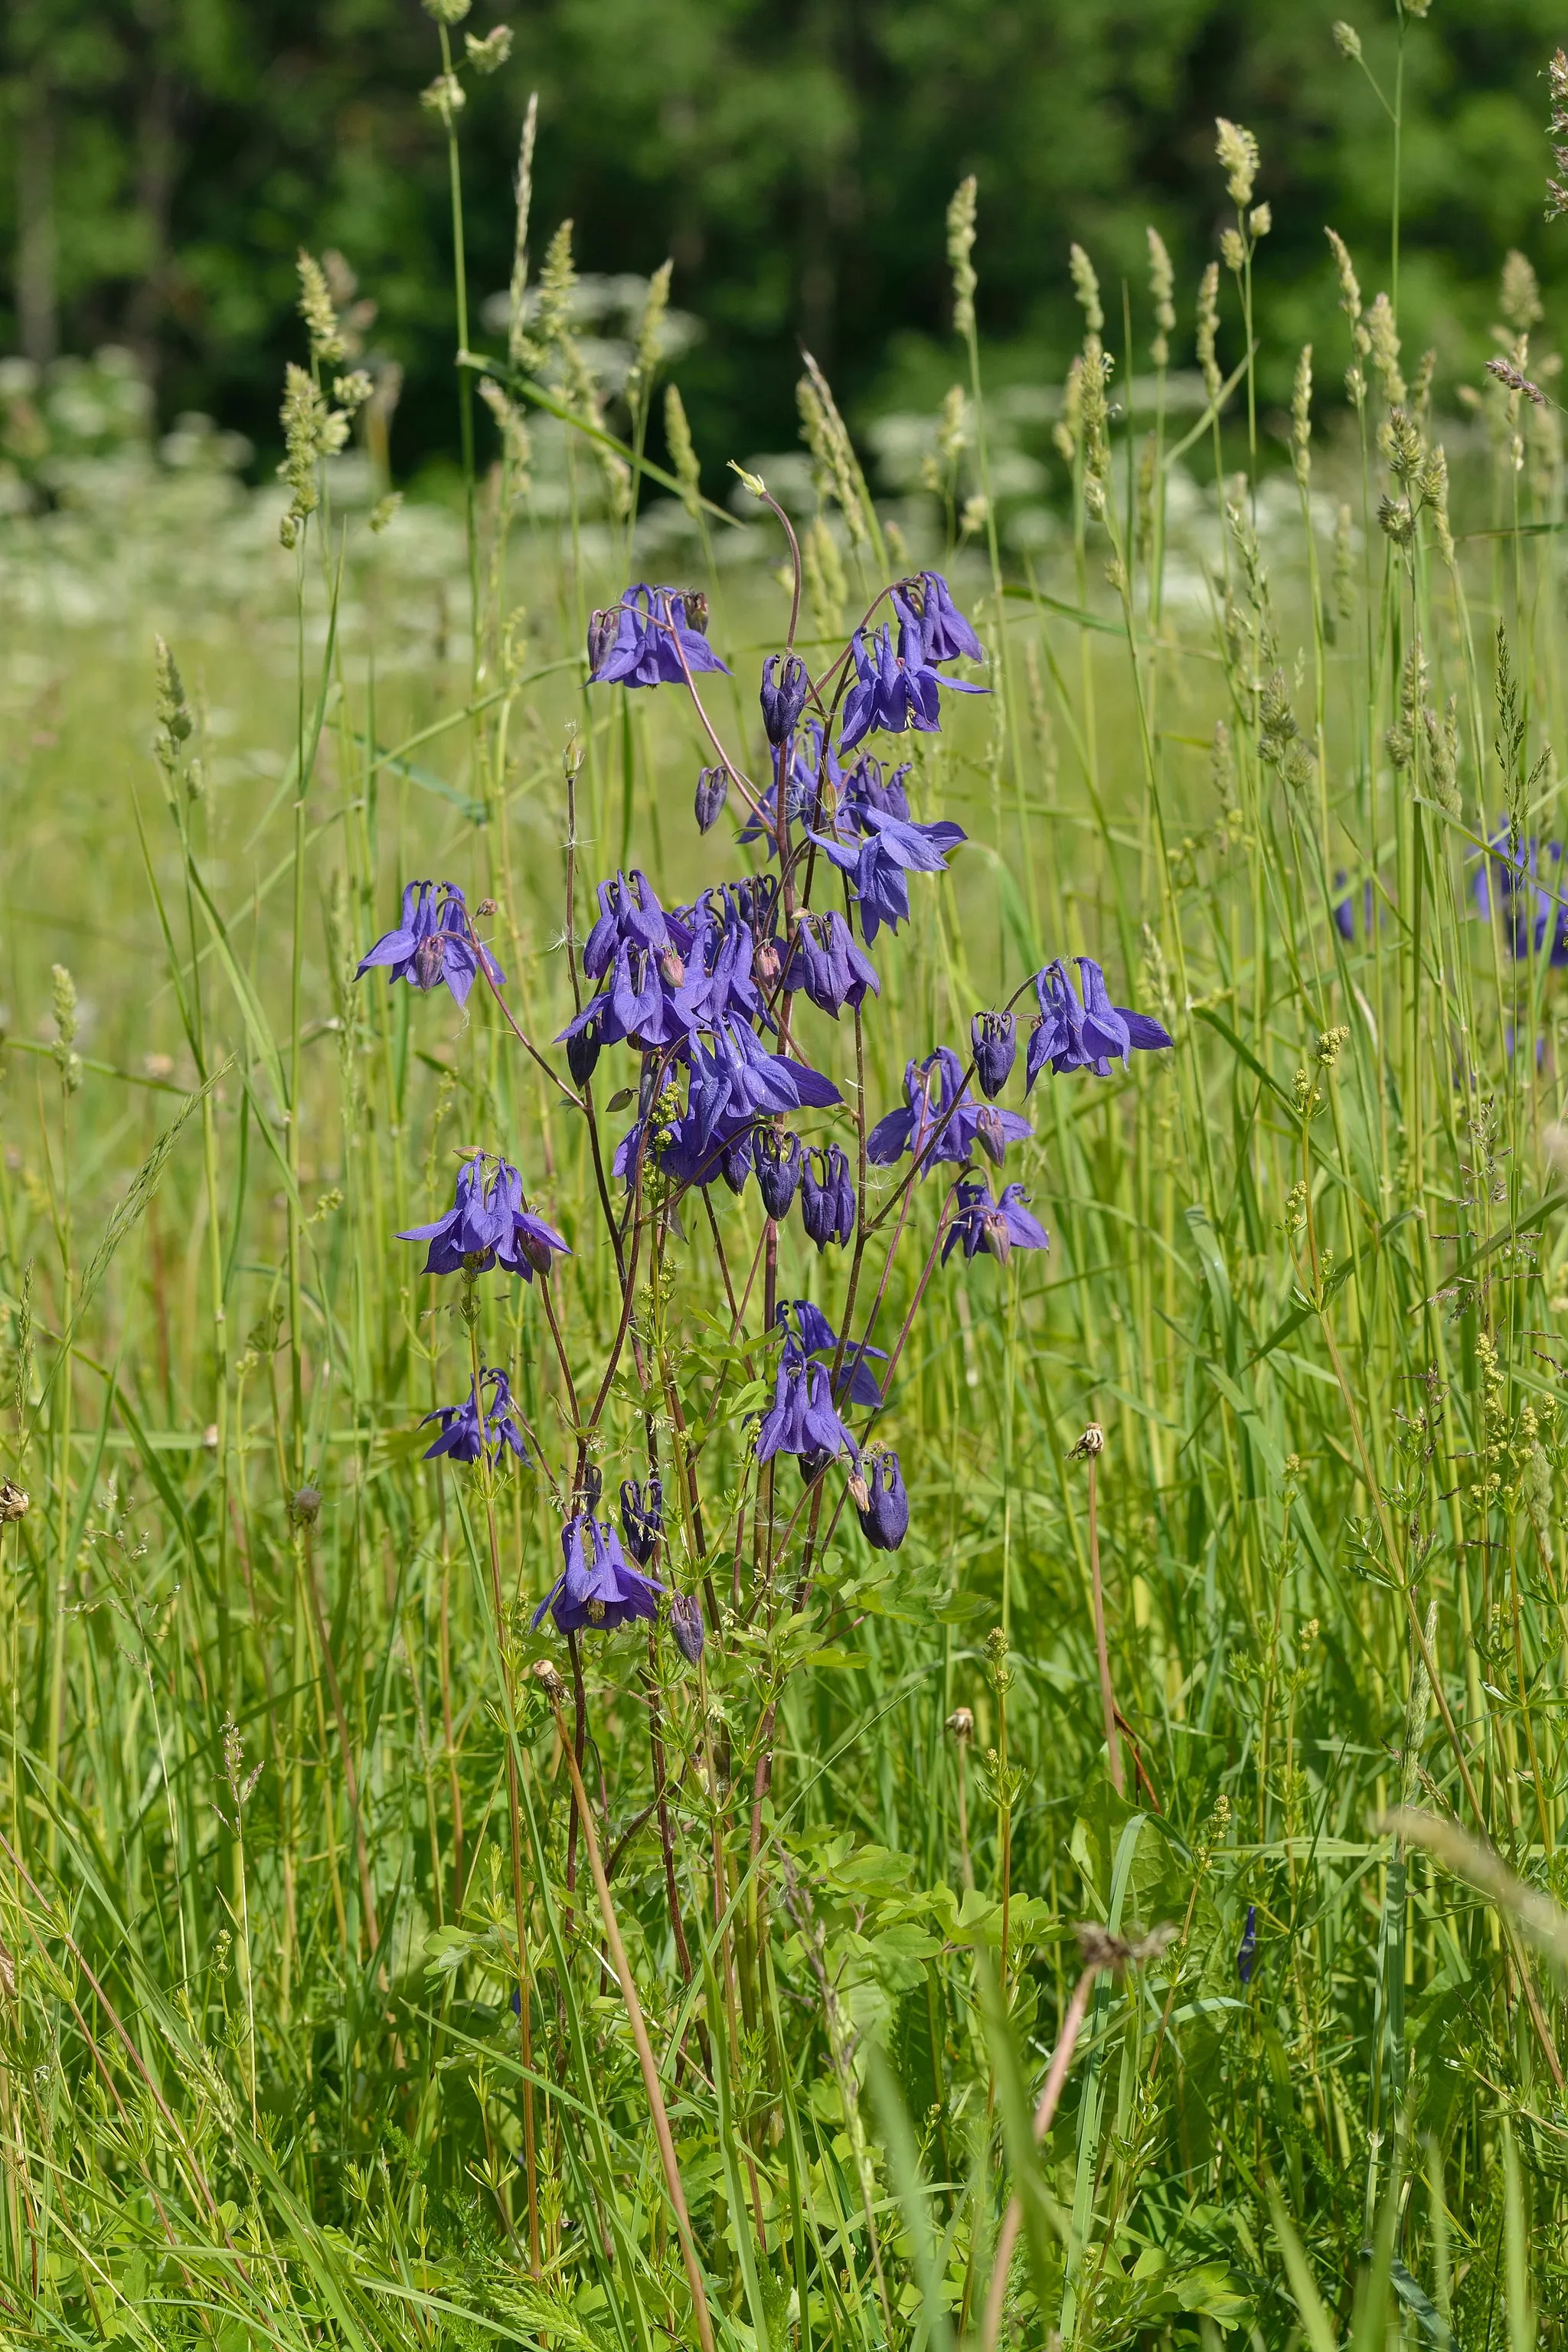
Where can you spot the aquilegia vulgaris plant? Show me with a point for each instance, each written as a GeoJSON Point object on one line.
{"type": "Point", "coordinates": [719, 1014]}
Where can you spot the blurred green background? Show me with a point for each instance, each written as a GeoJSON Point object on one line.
{"type": "Point", "coordinates": [167, 158]}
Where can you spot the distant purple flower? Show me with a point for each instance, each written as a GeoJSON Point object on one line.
{"type": "Point", "coordinates": [995, 1228]}
{"type": "Point", "coordinates": [467, 1428]}
{"type": "Point", "coordinates": [1246, 1950]}
{"type": "Point", "coordinates": [941, 1119]}
{"type": "Point", "coordinates": [775, 1154]}
{"type": "Point", "coordinates": [1087, 1036]}
{"type": "Point", "coordinates": [598, 1587]}
{"type": "Point", "coordinates": [881, 1502]}
{"type": "Point", "coordinates": [685, 1624]}
{"type": "Point", "coordinates": [895, 691]}
{"type": "Point", "coordinates": [825, 961]}
{"type": "Point", "coordinates": [856, 1382]}
{"type": "Point", "coordinates": [634, 643]}
{"type": "Point", "coordinates": [1524, 881]}
{"type": "Point", "coordinates": [947, 635]}
{"type": "Point", "coordinates": [827, 1208]}
{"type": "Point", "coordinates": [642, 1517]}
{"type": "Point", "coordinates": [783, 699]}
{"type": "Point", "coordinates": [994, 1038]}
{"type": "Point", "coordinates": [1345, 910]}
{"type": "Point", "coordinates": [432, 945]}
{"type": "Point", "coordinates": [804, 1419]}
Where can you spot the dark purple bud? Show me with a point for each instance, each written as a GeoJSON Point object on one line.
{"type": "Point", "coordinates": [712, 791]}
{"type": "Point", "coordinates": [735, 1161]}
{"type": "Point", "coordinates": [603, 627]}
{"type": "Point", "coordinates": [827, 1208]}
{"type": "Point", "coordinates": [582, 1053]}
{"type": "Point", "coordinates": [812, 1462]}
{"type": "Point", "coordinates": [884, 1515]}
{"type": "Point", "coordinates": [1246, 1950]}
{"type": "Point", "coordinates": [429, 960]}
{"type": "Point", "coordinates": [783, 703]}
{"type": "Point", "coordinates": [685, 1624]}
{"type": "Point", "coordinates": [995, 1036]}
{"type": "Point", "coordinates": [642, 1517]}
{"type": "Point", "coordinates": [776, 1156]}
{"type": "Point", "coordinates": [591, 1488]}
{"type": "Point", "coordinates": [991, 1135]}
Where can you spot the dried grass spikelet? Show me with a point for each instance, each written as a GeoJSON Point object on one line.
{"type": "Point", "coordinates": [1163, 293]}
{"type": "Point", "coordinates": [827, 437]}
{"type": "Point", "coordinates": [1519, 293]}
{"type": "Point", "coordinates": [683, 455]}
{"type": "Point", "coordinates": [1208, 330]}
{"type": "Point", "coordinates": [315, 305]}
{"type": "Point", "coordinates": [1086, 289]}
{"type": "Point", "coordinates": [961, 215]}
{"type": "Point", "coordinates": [1383, 337]}
{"type": "Point", "coordinates": [827, 588]}
{"type": "Point", "coordinates": [1237, 151]}
{"type": "Point", "coordinates": [1301, 417]}
{"type": "Point", "coordinates": [1556, 193]}
{"type": "Point", "coordinates": [649, 337]}
{"type": "Point", "coordinates": [519, 350]}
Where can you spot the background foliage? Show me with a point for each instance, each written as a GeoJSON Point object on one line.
{"type": "Point", "coordinates": [795, 161]}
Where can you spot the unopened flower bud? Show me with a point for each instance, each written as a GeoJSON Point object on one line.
{"type": "Point", "coordinates": [591, 1488]}
{"type": "Point", "coordinates": [783, 702]}
{"type": "Point", "coordinates": [712, 791]}
{"type": "Point", "coordinates": [583, 1049]}
{"type": "Point", "coordinates": [991, 1135]}
{"type": "Point", "coordinates": [603, 628]}
{"type": "Point", "coordinates": [685, 1624]}
{"type": "Point", "coordinates": [994, 1037]}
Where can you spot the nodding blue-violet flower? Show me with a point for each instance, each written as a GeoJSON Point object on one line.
{"type": "Point", "coordinates": [642, 1517]}
{"type": "Point", "coordinates": [941, 1119]}
{"type": "Point", "coordinates": [995, 1228]}
{"type": "Point", "coordinates": [1087, 1036]}
{"type": "Point", "coordinates": [434, 945]}
{"type": "Point", "coordinates": [875, 842]}
{"type": "Point", "coordinates": [487, 1224]}
{"type": "Point", "coordinates": [827, 1206]}
{"type": "Point", "coordinates": [733, 1073]}
{"type": "Point", "coordinates": [783, 697]}
{"type": "Point", "coordinates": [641, 640]}
{"type": "Point", "coordinates": [881, 1502]}
{"type": "Point", "coordinates": [804, 1420]}
{"type": "Point", "coordinates": [712, 791]}
{"type": "Point", "coordinates": [469, 1429]}
{"type": "Point", "coordinates": [856, 1380]}
{"type": "Point", "coordinates": [685, 1624]}
{"type": "Point", "coordinates": [948, 636]}
{"type": "Point", "coordinates": [775, 1155]}
{"type": "Point", "coordinates": [994, 1038]}
{"type": "Point", "coordinates": [598, 1587]}
{"type": "Point", "coordinates": [895, 691]}
{"type": "Point", "coordinates": [1345, 908]}
{"type": "Point", "coordinates": [825, 960]}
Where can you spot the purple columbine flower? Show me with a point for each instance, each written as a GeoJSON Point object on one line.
{"type": "Point", "coordinates": [712, 791]}
{"type": "Point", "coordinates": [947, 635]}
{"type": "Point", "coordinates": [895, 691]}
{"type": "Point", "coordinates": [876, 843]}
{"type": "Point", "coordinates": [1087, 1036]}
{"type": "Point", "coordinates": [996, 1227]}
{"type": "Point", "coordinates": [827, 1208]}
{"type": "Point", "coordinates": [434, 945]}
{"type": "Point", "coordinates": [635, 642]}
{"type": "Point", "coordinates": [598, 1585]}
{"type": "Point", "coordinates": [994, 1038]}
{"type": "Point", "coordinates": [942, 1119]}
{"type": "Point", "coordinates": [856, 1382]}
{"type": "Point", "coordinates": [775, 1154]}
{"type": "Point", "coordinates": [804, 1420]}
{"type": "Point", "coordinates": [784, 699]}
{"type": "Point", "coordinates": [685, 1624]}
{"type": "Point", "coordinates": [735, 1076]}
{"type": "Point", "coordinates": [825, 960]}
{"type": "Point", "coordinates": [469, 1429]}
{"type": "Point", "coordinates": [487, 1224]}
{"type": "Point", "coordinates": [1514, 877]}
{"type": "Point", "coordinates": [642, 1517]}
{"type": "Point", "coordinates": [881, 1502]}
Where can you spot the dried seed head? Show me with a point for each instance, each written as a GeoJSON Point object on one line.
{"type": "Point", "coordinates": [1237, 151]}
{"type": "Point", "coordinates": [305, 1506]}
{"type": "Point", "coordinates": [14, 1503]}
{"type": "Point", "coordinates": [1519, 294]}
{"type": "Point", "coordinates": [316, 308]}
{"type": "Point", "coordinates": [1556, 193]}
{"type": "Point", "coordinates": [960, 245]}
{"type": "Point", "coordinates": [1085, 288]}
{"type": "Point", "coordinates": [1259, 221]}
{"type": "Point", "coordinates": [1101, 1949]}
{"type": "Point", "coordinates": [489, 56]}
{"type": "Point", "coordinates": [1091, 1442]}
{"type": "Point", "coordinates": [1384, 339]}
{"type": "Point", "coordinates": [682, 455]}
{"type": "Point", "coordinates": [1208, 328]}
{"type": "Point", "coordinates": [960, 1723]}
{"type": "Point", "coordinates": [1233, 251]}
{"type": "Point", "coordinates": [1302, 416]}
{"type": "Point", "coordinates": [549, 1681]}
{"type": "Point", "coordinates": [1162, 290]}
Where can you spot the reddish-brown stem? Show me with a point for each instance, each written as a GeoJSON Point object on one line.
{"type": "Point", "coordinates": [1056, 2074]}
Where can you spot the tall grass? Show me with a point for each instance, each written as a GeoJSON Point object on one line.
{"type": "Point", "coordinates": [287, 1817]}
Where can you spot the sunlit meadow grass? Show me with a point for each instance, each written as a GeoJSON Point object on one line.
{"type": "Point", "coordinates": [1247, 738]}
